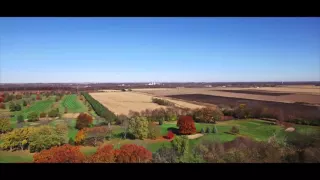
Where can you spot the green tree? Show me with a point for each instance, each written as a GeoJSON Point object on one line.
{"type": "Point", "coordinates": [138, 127]}
{"type": "Point", "coordinates": [181, 145]}
{"type": "Point", "coordinates": [18, 107]}
{"type": "Point", "coordinates": [154, 131]}
{"type": "Point", "coordinates": [12, 106]}
{"type": "Point", "coordinates": [215, 130]}
{"type": "Point", "coordinates": [20, 118]}
{"type": "Point", "coordinates": [24, 103]}
{"type": "Point", "coordinates": [33, 116]}
{"type": "Point", "coordinates": [208, 130]}
{"type": "Point", "coordinates": [202, 131]}
{"type": "Point", "coordinates": [15, 139]}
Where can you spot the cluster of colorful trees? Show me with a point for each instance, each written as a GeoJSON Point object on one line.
{"type": "Point", "coordinates": [35, 138]}
{"type": "Point", "coordinates": [99, 108]}
{"type": "Point", "coordinates": [162, 102]}
{"type": "Point", "coordinates": [129, 153]}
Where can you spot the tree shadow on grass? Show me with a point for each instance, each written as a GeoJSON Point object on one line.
{"type": "Point", "coordinates": [174, 130]}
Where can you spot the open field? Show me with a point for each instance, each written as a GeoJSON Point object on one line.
{"type": "Point", "coordinates": [256, 129]}
{"type": "Point", "coordinates": [309, 95]}
{"type": "Point", "coordinates": [123, 102]}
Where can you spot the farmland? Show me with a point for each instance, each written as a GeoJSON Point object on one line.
{"type": "Point", "coordinates": [123, 102]}
{"type": "Point", "coordinates": [73, 104]}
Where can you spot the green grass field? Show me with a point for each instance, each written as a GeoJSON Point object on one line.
{"type": "Point", "coordinates": [73, 104]}
{"type": "Point", "coordinates": [257, 129]}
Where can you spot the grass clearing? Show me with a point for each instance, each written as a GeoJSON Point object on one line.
{"type": "Point", "coordinates": [72, 103]}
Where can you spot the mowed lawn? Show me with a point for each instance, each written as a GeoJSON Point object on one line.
{"type": "Point", "coordinates": [256, 129]}
{"type": "Point", "coordinates": [73, 104]}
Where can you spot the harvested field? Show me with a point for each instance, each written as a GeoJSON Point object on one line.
{"type": "Point", "coordinates": [123, 102]}
{"type": "Point", "coordinates": [309, 112]}
{"type": "Point", "coordinates": [255, 92]}
{"type": "Point", "coordinates": [293, 94]}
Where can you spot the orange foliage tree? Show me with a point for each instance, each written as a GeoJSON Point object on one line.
{"type": "Point", "coordinates": [186, 125]}
{"type": "Point", "coordinates": [80, 137]}
{"type": "Point", "coordinates": [84, 120]}
{"type": "Point", "coordinates": [104, 154]}
{"type": "Point", "coordinates": [61, 154]}
{"type": "Point", "coordinates": [131, 153]}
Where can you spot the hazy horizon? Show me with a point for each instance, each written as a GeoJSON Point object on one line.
{"type": "Point", "coordinates": [119, 50]}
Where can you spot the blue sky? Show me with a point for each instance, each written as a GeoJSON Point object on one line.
{"type": "Point", "coordinates": [159, 49]}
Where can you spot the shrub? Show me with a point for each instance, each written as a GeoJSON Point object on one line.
{"type": "Point", "coordinates": [131, 153]}
{"type": "Point", "coordinates": [234, 130]}
{"type": "Point", "coordinates": [138, 127]}
{"type": "Point", "coordinates": [24, 103]}
{"type": "Point", "coordinates": [65, 110]}
{"type": "Point", "coordinates": [83, 120]}
{"type": "Point", "coordinates": [32, 117]}
{"type": "Point", "coordinates": [162, 102]}
{"type": "Point", "coordinates": [214, 130]}
{"type": "Point", "coordinates": [154, 131]}
{"type": "Point", "coordinates": [202, 131]}
{"type": "Point", "coordinates": [45, 137]}
{"type": "Point", "coordinates": [170, 135]}
{"type": "Point", "coordinates": [123, 90]}
{"type": "Point", "coordinates": [20, 118]}
{"type": "Point", "coordinates": [186, 125]}
{"type": "Point", "coordinates": [208, 130]}
{"type": "Point", "coordinates": [104, 154]}
{"type": "Point", "coordinates": [5, 125]}
{"type": "Point", "coordinates": [43, 115]}
{"type": "Point", "coordinates": [62, 154]}
{"type": "Point", "coordinates": [2, 106]}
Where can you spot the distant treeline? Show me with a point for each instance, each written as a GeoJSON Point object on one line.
{"type": "Point", "coordinates": [99, 108]}
{"type": "Point", "coordinates": [162, 102]}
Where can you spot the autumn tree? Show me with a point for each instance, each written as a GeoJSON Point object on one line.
{"type": "Point", "coordinates": [38, 97]}
{"type": "Point", "coordinates": [18, 96]}
{"type": "Point", "coordinates": [80, 137]}
{"type": "Point", "coordinates": [170, 135]}
{"type": "Point", "coordinates": [62, 154]}
{"type": "Point", "coordinates": [165, 155]}
{"type": "Point", "coordinates": [138, 127]}
{"type": "Point", "coordinates": [2, 106]}
{"type": "Point", "coordinates": [104, 154]}
{"type": "Point", "coordinates": [12, 106]}
{"type": "Point", "coordinates": [5, 125]}
{"type": "Point", "coordinates": [45, 137]}
{"type": "Point", "coordinates": [154, 131]}
{"type": "Point", "coordinates": [207, 115]}
{"type": "Point", "coordinates": [95, 135]}
{"type": "Point", "coordinates": [83, 120]}
{"type": "Point", "coordinates": [186, 125]}
{"type": "Point", "coordinates": [1, 99]}
{"type": "Point", "coordinates": [17, 138]}
{"type": "Point", "coordinates": [131, 153]}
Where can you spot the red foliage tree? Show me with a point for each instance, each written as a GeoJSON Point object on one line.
{"type": "Point", "coordinates": [2, 106]}
{"type": "Point", "coordinates": [38, 97]}
{"type": "Point", "coordinates": [131, 153]}
{"type": "Point", "coordinates": [170, 135]}
{"type": "Point", "coordinates": [62, 154]}
{"type": "Point", "coordinates": [186, 125]}
{"type": "Point", "coordinates": [1, 99]}
{"type": "Point", "coordinates": [104, 154]}
{"type": "Point", "coordinates": [83, 120]}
